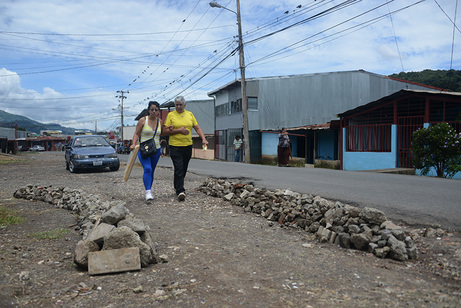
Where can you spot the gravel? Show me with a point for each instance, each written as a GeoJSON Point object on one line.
{"type": "Point", "coordinates": [218, 254]}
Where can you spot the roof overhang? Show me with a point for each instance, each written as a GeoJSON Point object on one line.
{"type": "Point", "coordinates": [398, 95]}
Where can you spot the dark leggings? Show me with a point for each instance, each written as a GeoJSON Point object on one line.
{"type": "Point", "coordinates": [180, 156]}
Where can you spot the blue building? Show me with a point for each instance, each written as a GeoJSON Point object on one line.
{"type": "Point", "coordinates": [378, 135]}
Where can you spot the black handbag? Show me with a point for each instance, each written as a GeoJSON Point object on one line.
{"type": "Point", "coordinates": [148, 147]}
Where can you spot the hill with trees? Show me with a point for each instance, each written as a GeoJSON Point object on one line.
{"type": "Point", "coordinates": [449, 80]}
{"type": "Point", "coordinates": [24, 123]}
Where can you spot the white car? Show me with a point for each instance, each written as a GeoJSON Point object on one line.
{"type": "Point", "coordinates": [37, 148]}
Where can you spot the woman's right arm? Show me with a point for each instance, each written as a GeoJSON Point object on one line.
{"type": "Point", "coordinates": [137, 133]}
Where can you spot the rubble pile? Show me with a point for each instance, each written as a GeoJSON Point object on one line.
{"type": "Point", "coordinates": [350, 227]}
{"type": "Point", "coordinates": [104, 225]}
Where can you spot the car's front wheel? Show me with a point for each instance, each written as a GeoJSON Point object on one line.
{"type": "Point", "coordinates": [72, 168]}
{"type": "Point", "coordinates": [115, 168]}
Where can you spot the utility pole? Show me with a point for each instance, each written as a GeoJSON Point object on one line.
{"type": "Point", "coordinates": [246, 132]}
{"type": "Point", "coordinates": [122, 96]}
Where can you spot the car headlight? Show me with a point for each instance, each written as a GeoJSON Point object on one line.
{"type": "Point", "coordinates": [80, 156]}
{"type": "Point", "coordinates": [111, 155]}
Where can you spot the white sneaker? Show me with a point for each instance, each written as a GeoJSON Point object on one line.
{"type": "Point", "coordinates": [181, 196]}
{"type": "Point", "coordinates": [149, 196]}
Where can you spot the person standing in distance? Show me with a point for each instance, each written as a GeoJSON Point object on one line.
{"type": "Point", "coordinates": [147, 127]}
{"type": "Point", "coordinates": [178, 125]}
{"type": "Point", "coordinates": [237, 148]}
{"type": "Point", "coordinates": [283, 149]}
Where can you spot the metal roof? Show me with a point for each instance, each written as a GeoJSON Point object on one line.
{"type": "Point", "coordinates": [237, 81]}
{"type": "Point", "coordinates": [397, 95]}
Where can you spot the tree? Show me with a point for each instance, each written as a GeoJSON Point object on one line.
{"type": "Point", "coordinates": [449, 80]}
{"type": "Point", "coordinates": [437, 147]}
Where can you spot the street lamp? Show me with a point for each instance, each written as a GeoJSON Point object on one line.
{"type": "Point", "coordinates": [246, 133]}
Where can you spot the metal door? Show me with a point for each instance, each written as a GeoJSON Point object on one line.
{"type": "Point", "coordinates": [405, 129]}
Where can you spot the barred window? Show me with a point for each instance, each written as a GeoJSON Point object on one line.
{"type": "Point", "coordinates": [368, 138]}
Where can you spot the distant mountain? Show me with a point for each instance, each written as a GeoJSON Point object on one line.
{"type": "Point", "coordinates": [449, 80]}
{"type": "Point", "coordinates": [9, 119]}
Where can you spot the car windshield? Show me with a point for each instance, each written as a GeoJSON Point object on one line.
{"type": "Point", "coordinates": [90, 142]}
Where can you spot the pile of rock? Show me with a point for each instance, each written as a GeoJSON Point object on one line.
{"type": "Point", "coordinates": [104, 225]}
{"type": "Point", "coordinates": [348, 226]}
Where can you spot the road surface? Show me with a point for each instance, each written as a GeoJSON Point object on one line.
{"type": "Point", "coordinates": [415, 200]}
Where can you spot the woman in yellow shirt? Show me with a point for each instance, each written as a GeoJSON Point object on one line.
{"type": "Point", "coordinates": [178, 125]}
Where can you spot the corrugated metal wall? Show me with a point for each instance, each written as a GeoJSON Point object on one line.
{"type": "Point", "coordinates": [291, 101]}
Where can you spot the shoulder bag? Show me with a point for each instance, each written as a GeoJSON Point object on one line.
{"type": "Point", "coordinates": [148, 147]}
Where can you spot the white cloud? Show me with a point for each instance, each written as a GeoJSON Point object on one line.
{"type": "Point", "coordinates": [104, 46]}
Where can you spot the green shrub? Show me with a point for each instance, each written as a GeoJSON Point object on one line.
{"type": "Point", "coordinates": [437, 147]}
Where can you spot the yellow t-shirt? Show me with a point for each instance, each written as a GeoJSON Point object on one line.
{"type": "Point", "coordinates": [178, 120]}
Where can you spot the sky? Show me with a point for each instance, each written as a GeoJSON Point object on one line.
{"type": "Point", "coordinates": [71, 62]}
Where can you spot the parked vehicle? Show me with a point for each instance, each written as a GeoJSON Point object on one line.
{"type": "Point", "coordinates": [37, 148]}
{"type": "Point", "coordinates": [90, 151]}
{"type": "Point", "coordinates": [23, 148]}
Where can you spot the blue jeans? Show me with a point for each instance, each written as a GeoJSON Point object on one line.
{"type": "Point", "coordinates": [149, 165]}
{"type": "Point", "coordinates": [237, 154]}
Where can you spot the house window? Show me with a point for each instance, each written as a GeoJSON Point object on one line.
{"type": "Point", "coordinates": [252, 103]}
{"type": "Point", "coordinates": [236, 106]}
{"type": "Point", "coordinates": [221, 110]}
{"type": "Point", "coordinates": [368, 138]}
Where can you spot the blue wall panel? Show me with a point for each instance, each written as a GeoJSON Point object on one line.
{"type": "Point", "coordinates": [355, 161]}
{"type": "Point", "coordinates": [270, 142]}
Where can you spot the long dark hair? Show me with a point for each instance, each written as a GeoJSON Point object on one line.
{"type": "Point", "coordinates": [153, 103]}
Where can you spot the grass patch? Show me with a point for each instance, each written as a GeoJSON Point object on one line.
{"type": "Point", "coordinates": [326, 165]}
{"type": "Point", "coordinates": [273, 161]}
{"type": "Point", "coordinates": [50, 235]}
{"type": "Point", "coordinates": [7, 159]}
{"type": "Point", "coordinates": [9, 217]}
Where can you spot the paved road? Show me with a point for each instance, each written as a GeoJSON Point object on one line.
{"type": "Point", "coordinates": [412, 199]}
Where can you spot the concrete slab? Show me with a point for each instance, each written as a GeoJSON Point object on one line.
{"type": "Point", "coordinates": [114, 261]}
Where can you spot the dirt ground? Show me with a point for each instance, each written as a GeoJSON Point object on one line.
{"type": "Point", "coordinates": [219, 256]}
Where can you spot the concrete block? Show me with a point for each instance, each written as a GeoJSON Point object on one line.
{"type": "Point", "coordinates": [114, 261]}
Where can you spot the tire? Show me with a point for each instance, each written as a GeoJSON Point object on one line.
{"type": "Point", "coordinates": [72, 168]}
{"type": "Point", "coordinates": [115, 168]}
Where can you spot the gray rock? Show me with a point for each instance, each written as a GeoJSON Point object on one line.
{"type": "Point", "coordinates": [372, 216]}
{"type": "Point", "coordinates": [412, 253]}
{"type": "Point", "coordinates": [344, 240]}
{"type": "Point", "coordinates": [397, 248]}
{"type": "Point", "coordinates": [229, 196]}
{"type": "Point", "coordinates": [360, 241]}
{"type": "Point", "coordinates": [82, 249]}
{"type": "Point", "coordinates": [99, 232]}
{"type": "Point", "coordinates": [353, 229]}
{"type": "Point", "coordinates": [381, 252]}
{"type": "Point", "coordinates": [398, 234]}
{"type": "Point", "coordinates": [389, 225]}
{"type": "Point", "coordinates": [372, 247]}
{"type": "Point", "coordinates": [323, 234]}
{"type": "Point", "coordinates": [114, 214]}
{"type": "Point", "coordinates": [134, 224]}
{"type": "Point", "coordinates": [124, 237]}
